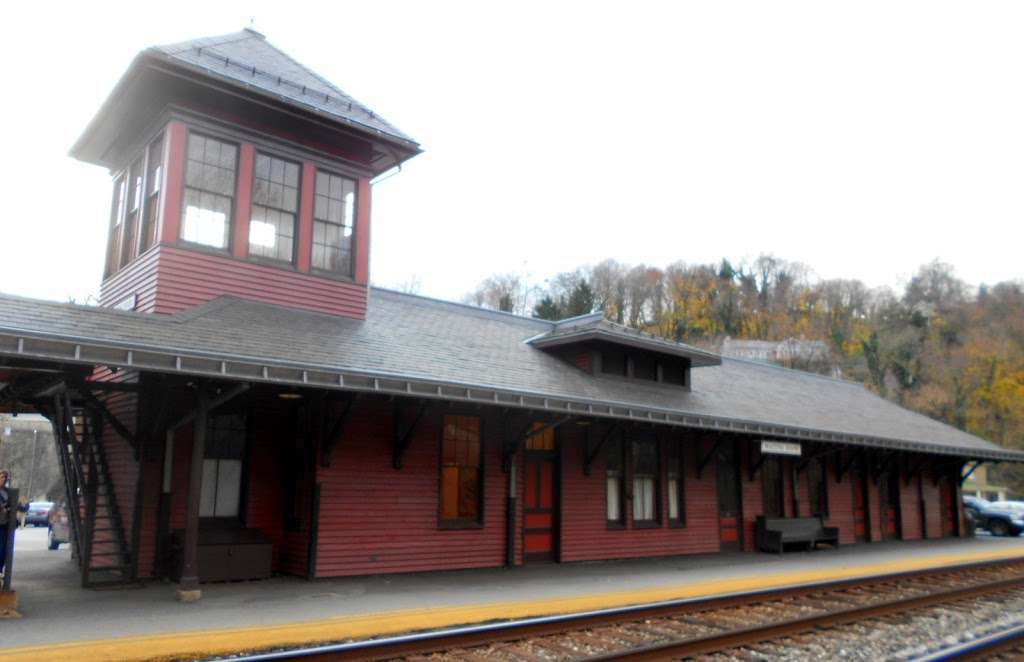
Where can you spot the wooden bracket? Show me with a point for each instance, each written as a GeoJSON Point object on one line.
{"type": "Point", "coordinates": [94, 404]}
{"type": "Point", "coordinates": [842, 468]}
{"type": "Point", "coordinates": [404, 437]}
{"type": "Point", "coordinates": [802, 464]}
{"type": "Point", "coordinates": [591, 453]}
{"type": "Point", "coordinates": [703, 462]}
{"type": "Point", "coordinates": [967, 475]}
{"type": "Point", "coordinates": [913, 470]}
{"type": "Point", "coordinates": [335, 431]}
{"type": "Point", "coordinates": [754, 466]}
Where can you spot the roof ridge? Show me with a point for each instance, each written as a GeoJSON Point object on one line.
{"type": "Point", "coordinates": [467, 306]}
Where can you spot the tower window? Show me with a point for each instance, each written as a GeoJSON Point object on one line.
{"type": "Point", "coordinates": [210, 179]}
{"type": "Point", "coordinates": [154, 173]}
{"type": "Point", "coordinates": [334, 218]}
{"type": "Point", "coordinates": [275, 204]}
{"type": "Point", "coordinates": [131, 223]}
{"type": "Point", "coordinates": [116, 226]}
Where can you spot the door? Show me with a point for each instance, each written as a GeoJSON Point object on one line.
{"type": "Point", "coordinates": [861, 526]}
{"type": "Point", "coordinates": [730, 517]}
{"type": "Point", "coordinates": [890, 506]}
{"type": "Point", "coordinates": [771, 476]}
{"type": "Point", "coordinates": [947, 505]}
{"type": "Point", "coordinates": [539, 498]}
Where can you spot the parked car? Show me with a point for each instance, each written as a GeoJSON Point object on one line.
{"type": "Point", "coordinates": [1003, 518]}
{"type": "Point", "coordinates": [38, 513]}
{"type": "Point", "coordinates": [972, 512]}
{"type": "Point", "coordinates": [59, 527]}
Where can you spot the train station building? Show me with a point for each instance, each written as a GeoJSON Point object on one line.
{"type": "Point", "coordinates": [244, 403]}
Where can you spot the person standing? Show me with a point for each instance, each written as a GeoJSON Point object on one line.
{"type": "Point", "coordinates": [8, 515]}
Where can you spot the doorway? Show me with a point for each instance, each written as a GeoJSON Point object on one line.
{"type": "Point", "coordinates": [540, 498]}
{"type": "Point", "coordinates": [890, 506]}
{"type": "Point", "coordinates": [861, 521]}
{"type": "Point", "coordinates": [947, 507]}
{"type": "Point", "coordinates": [771, 470]}
{"type": "Point", "coordinates": [730, 515]}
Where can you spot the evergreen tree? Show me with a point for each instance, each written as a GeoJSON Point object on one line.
{"type": "Point", "coordinates": [547, 309]}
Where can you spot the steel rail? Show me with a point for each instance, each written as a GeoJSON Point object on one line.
{"type": "Point", "coordinates": [761, 633]}
{"type": "Point", "coordinates": [486, 633]}
{"type": "Point", "coordinates": [979, 648]}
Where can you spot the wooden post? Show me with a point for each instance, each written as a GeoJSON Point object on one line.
{"type": "Point", "coordinates": [188, 586]}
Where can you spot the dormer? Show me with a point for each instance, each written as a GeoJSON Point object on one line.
{"type": "Point", "coordinates": [237, 171]}
{"type": "Point", "coordinates": [603, 348]}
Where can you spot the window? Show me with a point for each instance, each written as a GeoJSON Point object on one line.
{"type": "Point", "coordinates": [676, 488]}
{"type": "Point", "coordinates": [674, 372]}
{"type": "Point", "coordinates": [461, 474]}
{"type": "Point", "coordinates": [131, 222]}
{"type": "Point", "coordinates": [222, 466]}
{"type": "Point", "coordinates": [645, 481]}
{"type": "Point", "coordinates": [334, 217]}
{"type": "Point", "coordinates": [817, 489]}
{"type": "Point", "coordinates": [613, 363]}
{"type": "Point", "coordinates": [614, 481]}
{"type": "Point", "coordinates": [544, 441]}
{"type": "Point", "coordinates": [275, 203]}
{"type": "Point", "coordinates": [645, 367]}
{"type": "Point", "coordinates": [210, 179]}
{"type": "Point", "coordinates": [154, 175]}
{"type": "Point", "coordinates": [116, 218]}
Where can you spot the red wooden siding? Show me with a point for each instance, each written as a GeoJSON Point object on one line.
{"type": "Point", "coordinates": [123, 472]}
{"type": "Point", "coordinates": [910, 509]}
{"type": "Point", "coordinates": [840, 502]}
{"type": "Point", "coordinates": [585, 534]}
{"type": "Point", "coordinates": [376, 519]}
{"type": "Point", "coordinates": [751, 494]}
{"type": "Point", "coordinates": [168, 279]}
{"type": "Point", "coordinates": [933, 514]}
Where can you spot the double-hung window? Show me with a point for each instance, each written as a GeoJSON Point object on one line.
{"type": "Point", "coordinates": [275, 206]}
{"type": "Point", "coordinates": [645, 481]}
{"type": "Point", "coordinates": [210, 180]}
{"type": "Point", "coordinates": [221, 493]}
{"type": "Point", "coordinates": [131, 222]}
{"type": "Point", "coordinates": [675, 484]}
{"type": "Point", "coordinates": [154, 176]}
{"type": "Point", "coordinates": [334, 212]}
{"type": "Point", "coordinates": [116, 226]}
{"type": "Point", "coordinates": [461, 471]}
{"type": "Point", "coordinates": [614, 477]}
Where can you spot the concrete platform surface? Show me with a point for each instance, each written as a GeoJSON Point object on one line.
{"type": "Point", "coordinates": [60, 620]}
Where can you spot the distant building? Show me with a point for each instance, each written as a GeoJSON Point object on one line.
{"type": "Point", "coordinates": [792, 352]}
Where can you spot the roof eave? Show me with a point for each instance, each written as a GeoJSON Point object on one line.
{"type": "Point", "coordinates": [65, 349]}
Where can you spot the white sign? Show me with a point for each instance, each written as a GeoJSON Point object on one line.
{"type": "Point", "coordinates": [779, 448]}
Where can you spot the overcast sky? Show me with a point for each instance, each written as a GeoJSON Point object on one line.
{"type": "Point", "coordinates": [862, 139]}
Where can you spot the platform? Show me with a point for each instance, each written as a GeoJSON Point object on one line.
{"type": "Point", "coordinates": [62, 621]}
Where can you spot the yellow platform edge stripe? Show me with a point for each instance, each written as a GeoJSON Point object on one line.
{"type": "Point", "coordinates": [209, 643]}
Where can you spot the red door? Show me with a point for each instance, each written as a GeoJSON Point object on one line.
{"type": "Point", "coordinates": [890, 507]}
{"type": "Point", "coordinates": [947, 501]}
{"type": "Point", "coordinates": [860, 507]}
{"type": "Point", "coordinates": [730, 531]}
{"type": "Point", "coordinates": [539, 509]}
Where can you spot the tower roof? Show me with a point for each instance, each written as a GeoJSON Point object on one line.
{"type": "Point", "coordinates": [227, 72]}
{"type": "Point", "coordinates": [246, 58]}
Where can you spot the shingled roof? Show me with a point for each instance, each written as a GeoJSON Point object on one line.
{"type": "Point", "coordinates": [247, 59]}
{"type": "Point", "coordinates": [420, 347]}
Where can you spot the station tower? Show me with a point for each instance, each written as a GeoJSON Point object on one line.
{"type": "Point", "coordinates": [237, 171]}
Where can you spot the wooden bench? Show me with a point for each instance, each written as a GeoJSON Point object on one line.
{"type": "Point", "coordinates": [774, 533]}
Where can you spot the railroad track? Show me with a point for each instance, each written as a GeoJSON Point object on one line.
{"type": "Point", "coordinates": [857, 619]}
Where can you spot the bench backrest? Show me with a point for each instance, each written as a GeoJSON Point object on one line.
{"type": "Point", "coordinates": [793, 525]}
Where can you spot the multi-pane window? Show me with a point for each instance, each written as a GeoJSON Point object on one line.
{"type": "Point", "coordinates": [613, 481]}
{"type": "Point", "coordinates": [275, 206]}
{"type": "Point", "coordinates": [210, 178]}
{"type": "Point", "coordinates": [334, 217]}
{"type": "Point", "coordinates": [645, 480]}
{"type": "Point", "coordinates": [461, 474]}
{"type": "Point", "coordinates": [676, 487]}
{"type": "Point", "coordinates": [131, 221]}
{"type": "Point", "coordinates": [222, 466]}
{"type": "Point", "coordinates": [817, 490]}
{"type": "Point", "coordinates": [116, 225]}
{"type": "Point", "coordinates": [154, 175]}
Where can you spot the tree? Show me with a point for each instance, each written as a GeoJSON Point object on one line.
{"type": "Point", "coordinates": [581, 300]}
{"type": "Point", "coordinates": [547, 309]}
